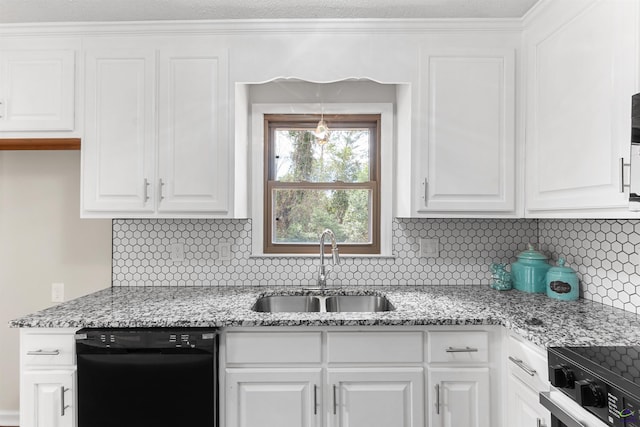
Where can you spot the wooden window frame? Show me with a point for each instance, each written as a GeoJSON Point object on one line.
{"type": "Point", "coordinates": [372, 121]}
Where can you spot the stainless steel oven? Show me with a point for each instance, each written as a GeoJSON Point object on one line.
{"type": "Point", "coordinates": [567, 413]}
{"type": "Point", "coordinates": [593, 386]}
{"type": "Point", "coordinates": [147, 377]}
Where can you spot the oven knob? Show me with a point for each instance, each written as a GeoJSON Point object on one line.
{"type": "Point", "coordinates": [561, 376]}
{"type": "Point", "coordinates": [589, 394]}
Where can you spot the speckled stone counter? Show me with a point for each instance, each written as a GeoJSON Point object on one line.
{"type": "Point", "coordinates": [563, 323]}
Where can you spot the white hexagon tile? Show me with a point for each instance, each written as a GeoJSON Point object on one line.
{"type": "Point", "coordinates": [603, 252]}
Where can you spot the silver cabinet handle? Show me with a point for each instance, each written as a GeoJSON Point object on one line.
{"type": "Point", "coordinates": [425, 193]}
{"type": "Point", "coordinates": [1, 108]}
{"type": "Point", "coordinates": [438, 399]}
{"type": "Point", "coordinates": [461, 350]}
{"type": "Point", "coordinates": [161, 189]}
{"type": "Point", "coordinates": [146, 189]}
{"type": "Point", "coordinates": [522, 366]}
{"type": "Point", "coordinates": [335, 399]}
{"type": "Point", "coordinates": [63, 407]}
{"type": "Point", "coordinates": [43, 352]}
{"type": "Point", "coordinates": [539, 423]}
{"type": "Point", "coordinates": [315, 399]}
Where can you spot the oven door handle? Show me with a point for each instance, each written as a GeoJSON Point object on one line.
{"type": "Point", "coordinates": [556, 411]}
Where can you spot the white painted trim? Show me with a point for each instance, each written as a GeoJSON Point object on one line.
{"type": "Point", "coordinates": [533, 13]}
{"type": "Point", "coordinates": [246, 26]}
{"type": "Point", "coordinates": [9, 418]}
{"type": "Point", "coordinates": [404, 152]}
{"type": "Point", "coordinates": [257, 162]}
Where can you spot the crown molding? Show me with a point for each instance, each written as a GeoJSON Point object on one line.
{"type": "Point", "coordinates": [285, 26]}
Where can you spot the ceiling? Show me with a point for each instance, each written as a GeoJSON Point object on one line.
{"type": "Point", "coordinates": [33, 11]}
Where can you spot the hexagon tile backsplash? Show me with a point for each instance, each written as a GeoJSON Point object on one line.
{"type": "Point", "coordinates": [603, 252]}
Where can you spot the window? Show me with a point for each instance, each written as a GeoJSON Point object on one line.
{"type": "Point", "coordinates": [313, 184]}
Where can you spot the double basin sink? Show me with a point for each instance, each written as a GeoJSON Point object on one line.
{"type": "Point", "coordinates": [322, 303]}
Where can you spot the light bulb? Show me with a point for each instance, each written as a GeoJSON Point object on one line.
{"type": "Point", "coordinates": [322, 131]}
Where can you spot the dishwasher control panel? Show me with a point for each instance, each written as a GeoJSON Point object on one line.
{"type": "Point", "coordinates": [151, 338]}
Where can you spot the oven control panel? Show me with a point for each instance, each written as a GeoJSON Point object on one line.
{"type": "Point", "coordinates": [588, 390]}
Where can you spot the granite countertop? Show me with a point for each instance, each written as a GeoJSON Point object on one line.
{"type": "Point", "coordinates": [563, 323]}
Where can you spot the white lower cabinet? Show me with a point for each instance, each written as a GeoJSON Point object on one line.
{"type": "Point", "coordinates": [321, 377]}
{"type": "Point", "coordinates": [343, 377]}
{"type": "Point", "coordinates": [459, 397]}
{"type": "Point", "coordinates": [526, 368]}
{"type": "Point", "coordinates": [50, 397]}
{"type": "Point", "coordinates": [48, 378]}
{"type": "Point", "coordinates": [332, 378]}
{"type": "Point", "coordinates": [299, 397]}
{"type": "Point", "coordinates": [273, 397]}
{"type": "Point", "coordinates": [524, 408]}
{"type": "Point", "coordinates": [375, 397]}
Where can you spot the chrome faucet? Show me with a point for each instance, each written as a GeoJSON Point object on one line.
{"type": "Point", "coordinates": [323, 272]}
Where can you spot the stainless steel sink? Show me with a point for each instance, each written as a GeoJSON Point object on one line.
{"type": "Point", "coordinates": [287, 303]}
{"type": "Point", "coordinates": [351, 303]}
{"type": "Point", "coordinates": [322, 303]}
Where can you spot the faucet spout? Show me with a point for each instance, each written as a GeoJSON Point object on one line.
{"type": "Point", "coordinates": [335, 254]}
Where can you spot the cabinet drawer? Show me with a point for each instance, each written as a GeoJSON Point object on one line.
{"type": "Point", "coordinates": [374, 347]}
{"type": "Point", "coordinates": [458, 347]}
{"type": "Point", "coordinates": [528, 363]}
{"type": "Point", "coordinates": [274, 347]}
{"type": "Point", "coordinates": [48, 349]}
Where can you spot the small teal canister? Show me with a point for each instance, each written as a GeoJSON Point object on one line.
{"type": "Point", "coordinates": [562, 282]}
{"type": "Point", "coordinates": [529, 273]}
{"type": "Point", "coordinates": [501, 277]}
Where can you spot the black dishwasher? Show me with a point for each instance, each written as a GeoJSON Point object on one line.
{"type": "Point", "coordinates": [153, 377]}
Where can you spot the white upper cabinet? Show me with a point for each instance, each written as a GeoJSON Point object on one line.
{"type": "Point", "coordinates": [491, 119]}
{"type": "Point", "coordinates": [193, 160]}
{"type": "Point", "coordinates": [37, 89]}
{"type": "Point", "coordinates": [582, 68]}
{"type": "Point", "coordinates": [156, 131]}
{"type": "Point", "coordinates": [118, 150]}
{"type": "Point", "coordinates": [467, 132]}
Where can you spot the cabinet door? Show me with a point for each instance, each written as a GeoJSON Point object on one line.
{"type": "Point", "coordinates": [118, 150]}
{"type": "Point", "coordinates": [37, 90]}
{"type": "Point", "coordinates": [459, 397]}
{"type": "Point", "coordinates": [524, 409]}
{"type": "Point", "coordinates": [582, 69]}
{"type": "Point", "coordinates": [273, 397]}
{"type": "Point", "coordinates": [468, 137]}
{"type": "Point", "coordinates": [375, 397]}
{"type": "Point", "coordinates": [194, 162]}
{"type": "Point", "coordinates": [48, 399]}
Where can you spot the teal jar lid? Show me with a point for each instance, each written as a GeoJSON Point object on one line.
{"type": "Point", "coordinates": [560, 268]}
{"type": "Point", "coordinates": [531, 254]}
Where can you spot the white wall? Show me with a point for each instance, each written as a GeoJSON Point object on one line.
{"type": "Point", "coordinates": [42, 240]}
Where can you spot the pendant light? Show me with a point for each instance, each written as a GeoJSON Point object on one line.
{"type": "Point", "coordinates": [322, 131]}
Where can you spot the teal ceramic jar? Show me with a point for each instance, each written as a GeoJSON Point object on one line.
{"type": "Point", "coordinates": [562, 282]}
{"type": "Point", "coordinates": [529, 273]}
